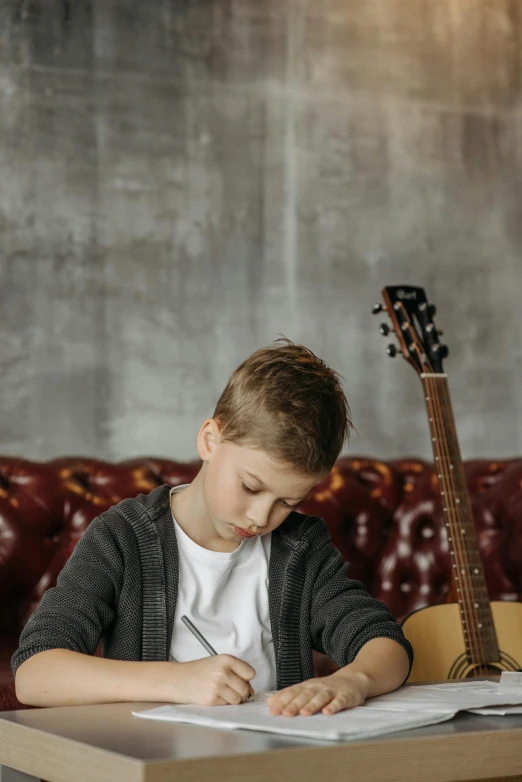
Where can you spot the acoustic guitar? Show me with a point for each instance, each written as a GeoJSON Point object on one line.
{"type": "Point", "coordinates": [472, 636]}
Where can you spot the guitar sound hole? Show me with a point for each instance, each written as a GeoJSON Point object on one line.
{"type": "Point", "coordinates": [483, 670]}
{"type": "Point", "coordinates": [463, 669]}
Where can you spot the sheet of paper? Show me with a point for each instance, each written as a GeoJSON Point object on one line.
{"type": "Point", "coordinates": [439, 698]}
{"type": "Point", "coordinates": [510, 684]}
{"type": "Point", "coordinates": [510, 681]}
{"type": "Point", "coordinates": [499, 711]}
{"type": "Point", "coordinates": [407, 707]}
{"type": "Point", "coordinates": [464, 684]}
{"type": "Point", "coordinates": [255, 715]}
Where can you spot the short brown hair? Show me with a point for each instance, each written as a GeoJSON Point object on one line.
{"type": "Point", "coordinates": [287, 401]}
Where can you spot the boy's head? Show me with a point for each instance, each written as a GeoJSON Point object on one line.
{"type": "Point", "coordinates": [290, 404]}
{"type": "Point", "coordinates": [283, 418]}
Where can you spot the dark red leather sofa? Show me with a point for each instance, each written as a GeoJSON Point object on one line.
{"type": "Point", "coordinates": [384, 516]}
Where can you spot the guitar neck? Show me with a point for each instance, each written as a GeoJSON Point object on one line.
{"type": "Point", "coordinates": [468, 572]}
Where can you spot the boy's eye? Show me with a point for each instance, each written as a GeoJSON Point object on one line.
{"type": "Point", "coordinates": [256, 491]}
{"type": "Point", "coordinates": [249, 490]}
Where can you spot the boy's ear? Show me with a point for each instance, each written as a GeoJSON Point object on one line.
{"type": "Point", "coordinates": [208, 438]}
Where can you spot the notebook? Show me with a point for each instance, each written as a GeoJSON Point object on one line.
{"type": "Point", "coordinates": [407, 707]}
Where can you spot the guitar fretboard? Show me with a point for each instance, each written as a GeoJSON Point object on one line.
{"type": "Point", "coordinates": [468, 572]}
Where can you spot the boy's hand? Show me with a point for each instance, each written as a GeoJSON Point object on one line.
{"type": "Point", "coordinates": [342, 690]}
{"type": "Point", "coordinates": [214, 681]}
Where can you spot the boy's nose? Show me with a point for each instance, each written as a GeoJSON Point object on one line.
{"type": "Point", "coordinates": [256, 525]}
{"type": "Point", "coordinates": [259, 515]}
{"type": "Point", "coordinates": [259, 521]}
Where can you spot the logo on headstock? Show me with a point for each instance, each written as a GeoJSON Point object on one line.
{"type": "Point", "coordinates": [402, 294]}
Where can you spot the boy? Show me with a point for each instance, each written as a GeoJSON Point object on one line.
{"type": "Point", "coordinates": [261, 582]}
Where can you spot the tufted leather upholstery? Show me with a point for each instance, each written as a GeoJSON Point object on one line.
{"type": "Point", "coordinates": [384, 517]}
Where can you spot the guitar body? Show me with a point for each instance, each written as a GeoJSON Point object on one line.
{"type": "Point", "coordinates": [437, 637]}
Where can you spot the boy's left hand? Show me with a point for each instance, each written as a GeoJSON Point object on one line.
{"type": "Point", "coordinates": [329, 694]}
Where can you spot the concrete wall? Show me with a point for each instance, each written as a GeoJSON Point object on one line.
{"type": "Point", "coordinates": [182, 181]}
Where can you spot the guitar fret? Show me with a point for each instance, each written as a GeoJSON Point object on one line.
{"type": "Point", "coordinates": [475, 571]}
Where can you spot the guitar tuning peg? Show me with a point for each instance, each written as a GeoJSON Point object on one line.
{"type": "Point", "coordinates": [376, 309]}
{"type": "Point", "coordinates": [391, 351]}
{"type": "Point", "coordinates": [444, 351]}
{"type": "Point", "coordinates": [440, 332]}
{"type": "Point", "coordinates": [432, 310]}
{"type": "Point", "coordinates": [384, 329]}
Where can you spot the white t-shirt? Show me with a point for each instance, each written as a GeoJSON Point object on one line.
{"type": "Point", "coordinates": [225, 595]}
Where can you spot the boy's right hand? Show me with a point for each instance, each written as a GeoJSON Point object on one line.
{"type": "Point", "coordinates": [215, 681]}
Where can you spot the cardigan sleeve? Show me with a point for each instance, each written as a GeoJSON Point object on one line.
{"type": "Point", "coordinates": [344, 616]}
{"type": "Point", "coordinates": [76, 612]}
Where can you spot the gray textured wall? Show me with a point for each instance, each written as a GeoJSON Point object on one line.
{"type": "Point", "coordinates": [182, 181]}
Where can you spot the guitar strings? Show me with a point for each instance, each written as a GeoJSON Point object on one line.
{"type": "Point", "coordinates": [453, 516]}
{"type": "Point", "coordinates": [462, 580]}
{"type": "Point", "coordinates": [479, 590]}
{"type": "Point", "coordinates": [464, 584]}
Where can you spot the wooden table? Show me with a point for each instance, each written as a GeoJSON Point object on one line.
{"type": "Point", "coordinates": [106, 744]}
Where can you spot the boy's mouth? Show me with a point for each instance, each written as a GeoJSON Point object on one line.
{"type": "Point", "coordinates": [243, 533]}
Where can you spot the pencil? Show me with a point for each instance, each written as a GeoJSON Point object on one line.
{"type": "Point", "coordinates": [203, 641]}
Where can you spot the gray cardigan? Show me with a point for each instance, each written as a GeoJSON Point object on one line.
{"type": "Point", "coordinates": [120, 585]}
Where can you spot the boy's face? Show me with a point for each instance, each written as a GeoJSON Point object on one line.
{"type": "Point", "coordinates": [245, 488]}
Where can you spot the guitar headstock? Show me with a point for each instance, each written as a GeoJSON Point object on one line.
{"type": "Point", "coordinates": [412, 320]}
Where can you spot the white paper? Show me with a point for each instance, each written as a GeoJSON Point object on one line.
{"type": "Point", "coordinates": [439, 698]}
{"type": "Point", "coordinates": [255, 715]}
{"type": "Point", "coordinates": [510, 681]}
{"type": "Point", "coordinates": [499, 711]}
{"type": "Point", "coordinates": [510, 684]}
{"type": "Point", "coordinates": [407, 707]}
